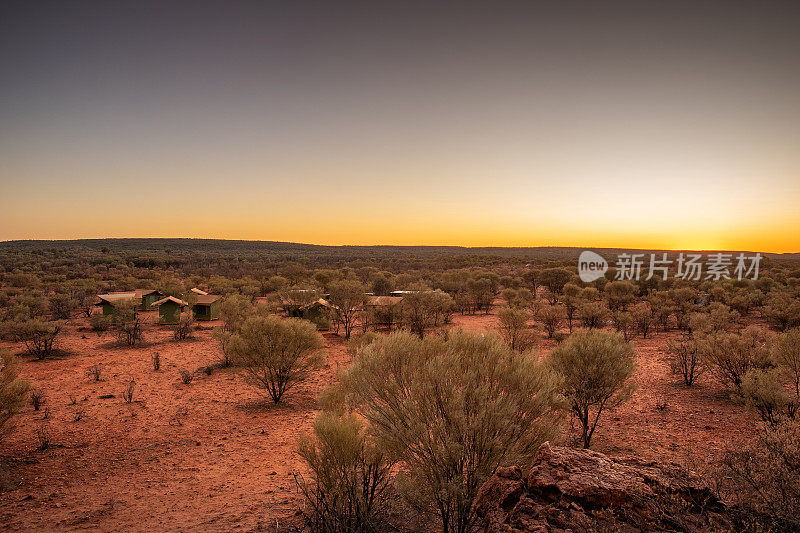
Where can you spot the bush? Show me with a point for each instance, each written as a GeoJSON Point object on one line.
{"type": "Point", "coordinates": [100, 322]}
{"type": "Point", "coordinates": [349, 476]}
{"type": "Point", "coordinates": [38, 398]}
{"type": "Point", "coordinates": [642, 315]}
{"type": "Point", "coordinates": [765, 479]}
{"type": "Point", "coordinates": [729, 355]}
{"type": "Point", "coordinates": [156, 360]}
{"type": "Point", "coordinates": [425, 309]}
{"type": "Point", "coordinates": [127, 394]}
{"type": "Point", "coordinates": [450, 411]}
{"type": "Point", "coordinates": [763, 391]}
{"type": "Point", "coordinates": [593, 315]}
{"type": "Point", "coordinates": [95, 372]}
{"type": "Point", "coordinates": [38, 336]}
{"type": "Point", "coordinates": [514, 328]}
{"type": "Point", "coordinates": [184, 328]}
{"type": "Point", "coordinates": [550, 317]}
{"type": "Point", "coordinates": [786, 354]}
{"type": "Point", "coordinates": [126, 319]}
{"type": "Point", "coordinates": [594, 367]}
{"type": "Point", "coordinates": [684, 360]}
{"type": "Point", "coordinates": [12, 390]}
{"type": "Point", "coordinates": [275, 354]}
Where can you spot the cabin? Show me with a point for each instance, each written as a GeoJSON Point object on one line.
{"type": "Point", "coordinates": [147, 298]}
{"type": "Point", "coordinates": [144, 299]}
{"type": "Point", "coordinates": [206, 307]}
{"type": "Point", "coordinates": [314, 310]}
{"type": "Point", "coordinates": [107, 302]}
{"type": "Point", "coordinates": [170, 309]}
{"type": "Point", "coordinates": [383, 310]}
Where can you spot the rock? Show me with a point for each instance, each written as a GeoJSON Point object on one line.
{"type": "Point", "coordinates": [585, 491]}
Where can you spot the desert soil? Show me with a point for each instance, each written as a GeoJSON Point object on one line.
{"type": "Point", "coordinates": [215, 455]}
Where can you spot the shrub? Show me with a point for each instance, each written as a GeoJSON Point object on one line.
{"type": "Point", "coordinates": [550, 317]}
{"type": "Point", "coordinates": [450, 411]}
{"type": "Point", "coordinates": [763, 391]}
{"type": "Point", "coordinates": [620, 294]}
{"type": "Point", "coordinates": [623, 322]}
{"type": "Point", "coordinates": [234, 310]}
{"type": "Point", "coordinates": [156, 360]}
{"type": "Point", "coordinates": [185, 327]}
{"type": "Point", "coordinates": [349, 476]}
{"type": "Point", "coordinates": [425, 309]}
{"type": "Point", "coordinates": [38, 397]}
{"type": "Point", "coordinates": [126, 319]}
{"type": "Point", "coordinates": [642, 315]}
{"type": "Point", "coordinates": [38, 336]}
{"type": "Point", "coordinates": [514, 328]}
{"type": "Point", "coordinates": [729, 355]}
{"type": "Point", "coordinates": [593, 315]}
{"type": "Point", "coordinates": [100, 322]}
{"type": "Point", "coordinates": [275, 354]}
{"type": "Point", "coordinates": [786, 353]}
{"type": "Point", "coordinates": [765, 479]}
{"type": "Point", "coordinates": [684, 360]}
{"type": "Point", "coordinates": [94, 372]}
{"type": "Point", "coordinates": [12, 390]}
{"type": "Point", "coordinates": [127, 394]}
{"type": "Point", "coordinates": [223, 337]}
{"type": "Point", "coordinates": [594, 367]}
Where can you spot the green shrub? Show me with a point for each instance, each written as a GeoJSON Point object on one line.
{"type": "Point", "coordinates": [348, 477]}
{"type": "Point", "coordinates": [12, 390]}
{"type": "Point", "coordinates": [450, 412]}
{"type": "Point", "coordinates": [275, 354]}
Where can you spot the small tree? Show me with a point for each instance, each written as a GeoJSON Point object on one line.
{"type": "Point", "coordinates": [347, 300]}
{"type": "Point", "coordinates": [12, 390]}
{"type": "Point", "coordinates": [234, 309]}
{"type": "Point", "coordinates": [514, 328]}
{"type": "Point", "coordinates": [551, 318]}
{"type": "Point", "coordinates": [595, 368]}
{"type": "Point", "coordinates": [349, 476]}
{"type": "Point", "coordinates": [275, 354]}
{"type": "Point", "coordinates": [424, 309]}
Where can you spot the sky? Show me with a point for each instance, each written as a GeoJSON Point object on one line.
{"type": "Point", "coordinates": [671, 125]}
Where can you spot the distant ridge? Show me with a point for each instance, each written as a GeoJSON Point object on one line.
{"type": "Point", "coordinates": [280, 247]}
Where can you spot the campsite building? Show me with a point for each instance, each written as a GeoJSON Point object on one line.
{"type": "Point", "coordinates": [206, 307]}
{"type": "Point", "coordinates": [383, 310]}
{"type": "Point", "coordinates": [170, 309]}
{"type": "Point", "coordinates": [143, 298]}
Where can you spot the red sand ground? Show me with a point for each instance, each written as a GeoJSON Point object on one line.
{"type": "Point", "coordinates": [214, 455]}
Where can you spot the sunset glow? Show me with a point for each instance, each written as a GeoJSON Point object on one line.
{"type": "Point", "coordinates": [658, 127]}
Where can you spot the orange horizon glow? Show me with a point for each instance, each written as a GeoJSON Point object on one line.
{"type": "Point", "coordinates": [654, 127]}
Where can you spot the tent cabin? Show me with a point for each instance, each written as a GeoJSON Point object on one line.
{"type": "Point", "coordinates": [143, 298]}
{"type": "Point", "coordinates": [147, 297]}
{"type": "Point", "coordinates": [206, 307]}
{"type": "Point", "coordinates": [383, 310]}
{"type": "Point", "coordinates": [199, 291]}
{"type": "Point", "coordinates": [314, 310]}
{"type": "Point", "coordinates": [107, 301]}
{"type": "Point", "coordinates": [170, 309]}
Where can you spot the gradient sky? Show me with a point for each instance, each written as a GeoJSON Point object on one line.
{"type": "Point", "coordinates": [645, 124]}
